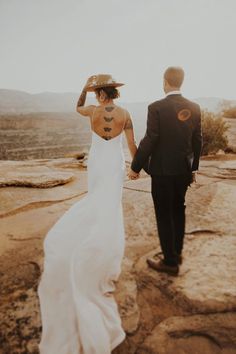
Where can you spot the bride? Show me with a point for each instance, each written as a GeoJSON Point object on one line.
{"type": "Point", "coordinates": [84, 248]}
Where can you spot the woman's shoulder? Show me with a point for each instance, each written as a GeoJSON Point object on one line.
{"type": "Point", "coordinates": [123, 109]}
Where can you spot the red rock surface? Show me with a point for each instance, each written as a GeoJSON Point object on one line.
{"type": "Point", "coordinates": [193, 313]}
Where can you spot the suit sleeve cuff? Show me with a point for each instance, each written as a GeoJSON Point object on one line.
{"type": "Point", "coordinates": [134, 168]}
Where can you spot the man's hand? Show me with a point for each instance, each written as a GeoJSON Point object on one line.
{"type": "Point", "coordinates": [132, 175]}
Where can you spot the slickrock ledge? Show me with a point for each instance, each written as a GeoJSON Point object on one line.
{"type": "Point", "coordinates": [192, 313]}
{"type": "Point", "coordinates": [36, 179]}
{"type": "Point", "coordinates": [196, 334]}
{"type": "Point", "coordinates": [36, 173]}
{"type": "Point", "coordinates": [39, 176]}
{"type": "Point", "coordinates": [206, 282]}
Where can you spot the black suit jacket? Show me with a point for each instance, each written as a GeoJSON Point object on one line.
{"type": "Point", "coordinates": [173, 140]}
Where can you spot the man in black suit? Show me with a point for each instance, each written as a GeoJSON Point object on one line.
{"type": "Point", "coordinates": [170, 153]}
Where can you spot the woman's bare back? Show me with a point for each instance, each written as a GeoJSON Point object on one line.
{"type": "Point", "coordinates": [108, 121]}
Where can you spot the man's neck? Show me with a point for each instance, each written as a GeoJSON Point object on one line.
{"type": "Point", "coordinates": [173, 92]}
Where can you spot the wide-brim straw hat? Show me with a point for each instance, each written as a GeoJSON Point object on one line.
{"type": "Point", "coordinates": [101, 80]}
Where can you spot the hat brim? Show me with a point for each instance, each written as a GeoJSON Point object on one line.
{"type": "Point", "coordinates": [93, 88]}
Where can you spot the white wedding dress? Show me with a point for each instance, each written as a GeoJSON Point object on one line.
{"type": "Point", "coordinates": [83, 253]}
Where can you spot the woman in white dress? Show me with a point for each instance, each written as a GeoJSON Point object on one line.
{"type": "Point", "coordinates": [84, 248]}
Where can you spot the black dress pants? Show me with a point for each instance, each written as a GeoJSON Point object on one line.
{"type": "Point", "coordinates": [168, 193]}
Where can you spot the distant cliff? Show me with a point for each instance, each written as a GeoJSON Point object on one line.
{"type": "Point", "coordinates": [42, 135]}
{"type": "Point", "coordinates": [13, 101]}
{"type": "Point", "coordinates": [45, 125]}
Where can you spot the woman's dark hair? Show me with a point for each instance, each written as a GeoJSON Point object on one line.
{"type": "Point", "coordinates": [111, 92]}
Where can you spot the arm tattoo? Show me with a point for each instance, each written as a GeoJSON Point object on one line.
{"type": "Point", "coordinates": [129, 124]}
{"type": "Point", "coordinates": [109, 109]}
{"type": "Point", "coordinates": [82, 99]}
{"type": "Point", "coordinates": [108, 120]}
{"type": "Point", "coordinates": [106, 129]}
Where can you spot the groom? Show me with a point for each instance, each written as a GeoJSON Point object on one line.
{"type": "Point", "coordinates": [170, 153]}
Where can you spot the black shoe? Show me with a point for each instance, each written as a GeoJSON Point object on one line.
{"type": "Point", "coordinates": [160, 266]}
{"type": "Point", "coordinates": [180, 259]}
{"type": "Point", "coordinates": [159, 256]}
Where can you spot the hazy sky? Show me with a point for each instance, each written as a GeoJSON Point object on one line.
{"type": "Point", "coordinates": [54, 45]}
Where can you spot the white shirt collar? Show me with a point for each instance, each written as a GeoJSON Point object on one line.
{"type": "Point", "coordinates": [177, 92]}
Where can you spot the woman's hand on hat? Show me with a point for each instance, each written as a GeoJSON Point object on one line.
{"type": "Point", "coordinates": [86, 86]}
{"type": "Point", "coordinates": [89, 82]}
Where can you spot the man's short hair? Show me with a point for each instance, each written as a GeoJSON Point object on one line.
{"type": "Point", "coordinates": [174, 75]}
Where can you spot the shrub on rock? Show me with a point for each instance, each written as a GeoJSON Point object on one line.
{"type": "Point", "coordinates": [214, 131]}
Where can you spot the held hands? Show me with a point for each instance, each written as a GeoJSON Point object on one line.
{"type": "Point", "coordinates": [132, 175]}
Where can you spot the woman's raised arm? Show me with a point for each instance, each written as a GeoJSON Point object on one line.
{"type": "Point", "coordinates": [87, 110]}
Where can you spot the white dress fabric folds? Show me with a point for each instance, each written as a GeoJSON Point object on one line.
{"type": "Point", "coordinates": [83, 254]}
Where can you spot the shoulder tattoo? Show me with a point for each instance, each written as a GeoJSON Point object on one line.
{"type": "Point", "coordinates": [129, 124]}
